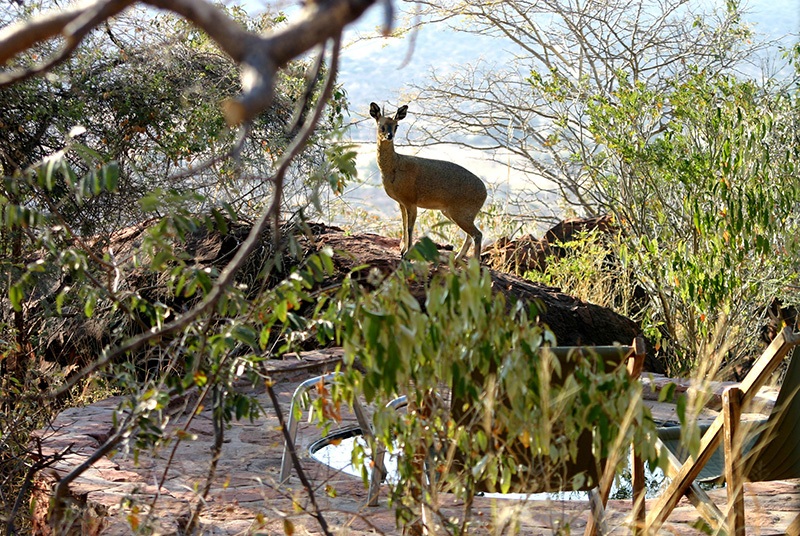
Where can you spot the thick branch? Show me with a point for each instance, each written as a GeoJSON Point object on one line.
{"type": "Point", "coordinates": [227, 33]}
{"type": "Point", "coordinates": [73, 25]}
{"type": "Point", "coordinates": [17, 38]}
{"type": "Point", "coordinates": [258, 56]}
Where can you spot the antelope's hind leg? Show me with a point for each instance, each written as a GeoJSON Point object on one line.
{"type": "Point", "coordinates": [464, 248]}
{"type": "Point", "coordinates": [467, 224]}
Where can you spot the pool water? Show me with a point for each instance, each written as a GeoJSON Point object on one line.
{"type": "Point", "coordinates": [336, 451]}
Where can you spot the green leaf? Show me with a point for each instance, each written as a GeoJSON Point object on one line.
{"type": "Point", "coordinates": [246, 334]}
{"type": "Point", "coordinates": [204, 280]}
{"type": "Point", "coordinates": [242, 406]}
{"type": "Point", "coordinates": [110, 173]}
{"type": "Point", "coordinates": [667, 393]}
{"type": "Point", "coordinates": [47, 173]}
{"type": "Point", "coordinates": [219, 219]}
{"type": "Point", "coordinates": [16, 296]}
{"type": "Point", "coordinates": [680, 408]}
{"type": "Point", "coordinates": [151, 202]}
{"type": "Point", "coordinates": [281, 310]}
{"type": "Point", "coordinates": [60, 297]}
{"type": "Point", "coordinates": [161, 259]}
{"type": "Point", "coordinates": [424, 250]}
{"type": "Point", "coordinates": [89, 305]}
{"type": "Point", "coordinates": [505, 480]}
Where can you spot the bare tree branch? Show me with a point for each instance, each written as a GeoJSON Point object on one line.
{"type": "Point", "coordinates": [564, 54]}
{"type": "Point", "coordinates": [60, 494]}
{"type": "Point", "coordinates": [317, 512]}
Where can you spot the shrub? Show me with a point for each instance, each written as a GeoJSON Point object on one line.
{"type": "Point", "coordinates": [517, 416]}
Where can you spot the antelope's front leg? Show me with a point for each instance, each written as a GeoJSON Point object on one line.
{"type": "Point", "coordinates": [411, 217]}
{"type": "Point", "coordinates": [403, 241]}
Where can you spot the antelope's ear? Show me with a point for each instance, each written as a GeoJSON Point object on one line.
{"type": "Point", "coordinates": [401, 113]}
{"type": "Point", "coordinates": [374, 110]}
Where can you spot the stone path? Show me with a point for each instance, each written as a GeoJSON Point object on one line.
{"type": "Point", "coordinates": [121, 495]}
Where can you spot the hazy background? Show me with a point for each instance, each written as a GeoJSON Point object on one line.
{"type": "Point", "coordinates": [374, 68]}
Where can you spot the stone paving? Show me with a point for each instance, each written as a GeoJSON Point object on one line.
{"type": "Point", "coordinates": [121, 495]}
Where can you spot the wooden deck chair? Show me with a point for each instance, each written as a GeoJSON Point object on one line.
{"type": "Point", "coordinates": [760, 451]}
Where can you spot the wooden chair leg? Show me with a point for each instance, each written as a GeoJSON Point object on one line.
{"type": "Point", "coordinates": [794, 527]}
{"type": "Point", "coordinates": [732, 411]}
{"type": "Point", "coordinates": [635, 367]}
{"type": "Point", "coordinates": [699, 498]}
{"type": "Point", "coordinates": [639, 514]}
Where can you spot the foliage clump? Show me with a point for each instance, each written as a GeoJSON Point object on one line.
{"type": "Point", "coordinates": [707, 207]}
{"type": "Point", "coordinates": [490, 407]}
{"type": "Point", "coordinates": [116, 162]}
{"type": "Point", "coordinates": [661, 122]}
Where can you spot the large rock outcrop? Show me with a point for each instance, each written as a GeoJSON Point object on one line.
{"type": "Point", "coordinates": [572, 321]}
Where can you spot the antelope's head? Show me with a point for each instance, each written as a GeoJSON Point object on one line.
{"type": "Point", "coordinates": [387, 125]}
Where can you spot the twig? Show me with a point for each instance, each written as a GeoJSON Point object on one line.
{"type": "Point", "coordinates": [219, 436]}
{"type": "Point", "coordinates": [317, 513]}
{"type": "Point", "coordinates": [195, 411]}
{"type": "Point", "coordinates": [173, 451]}
{"type": "Point", "coordinates": [300, 141]}
{"type": "Point", "coordinates": [238, 144]}
{"type": "Point", "coordinates": [28, 481]}
{"type": "Point", "coordinates": [312, 79]}
{"type": "Point", "coordinates": [60, 492]}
